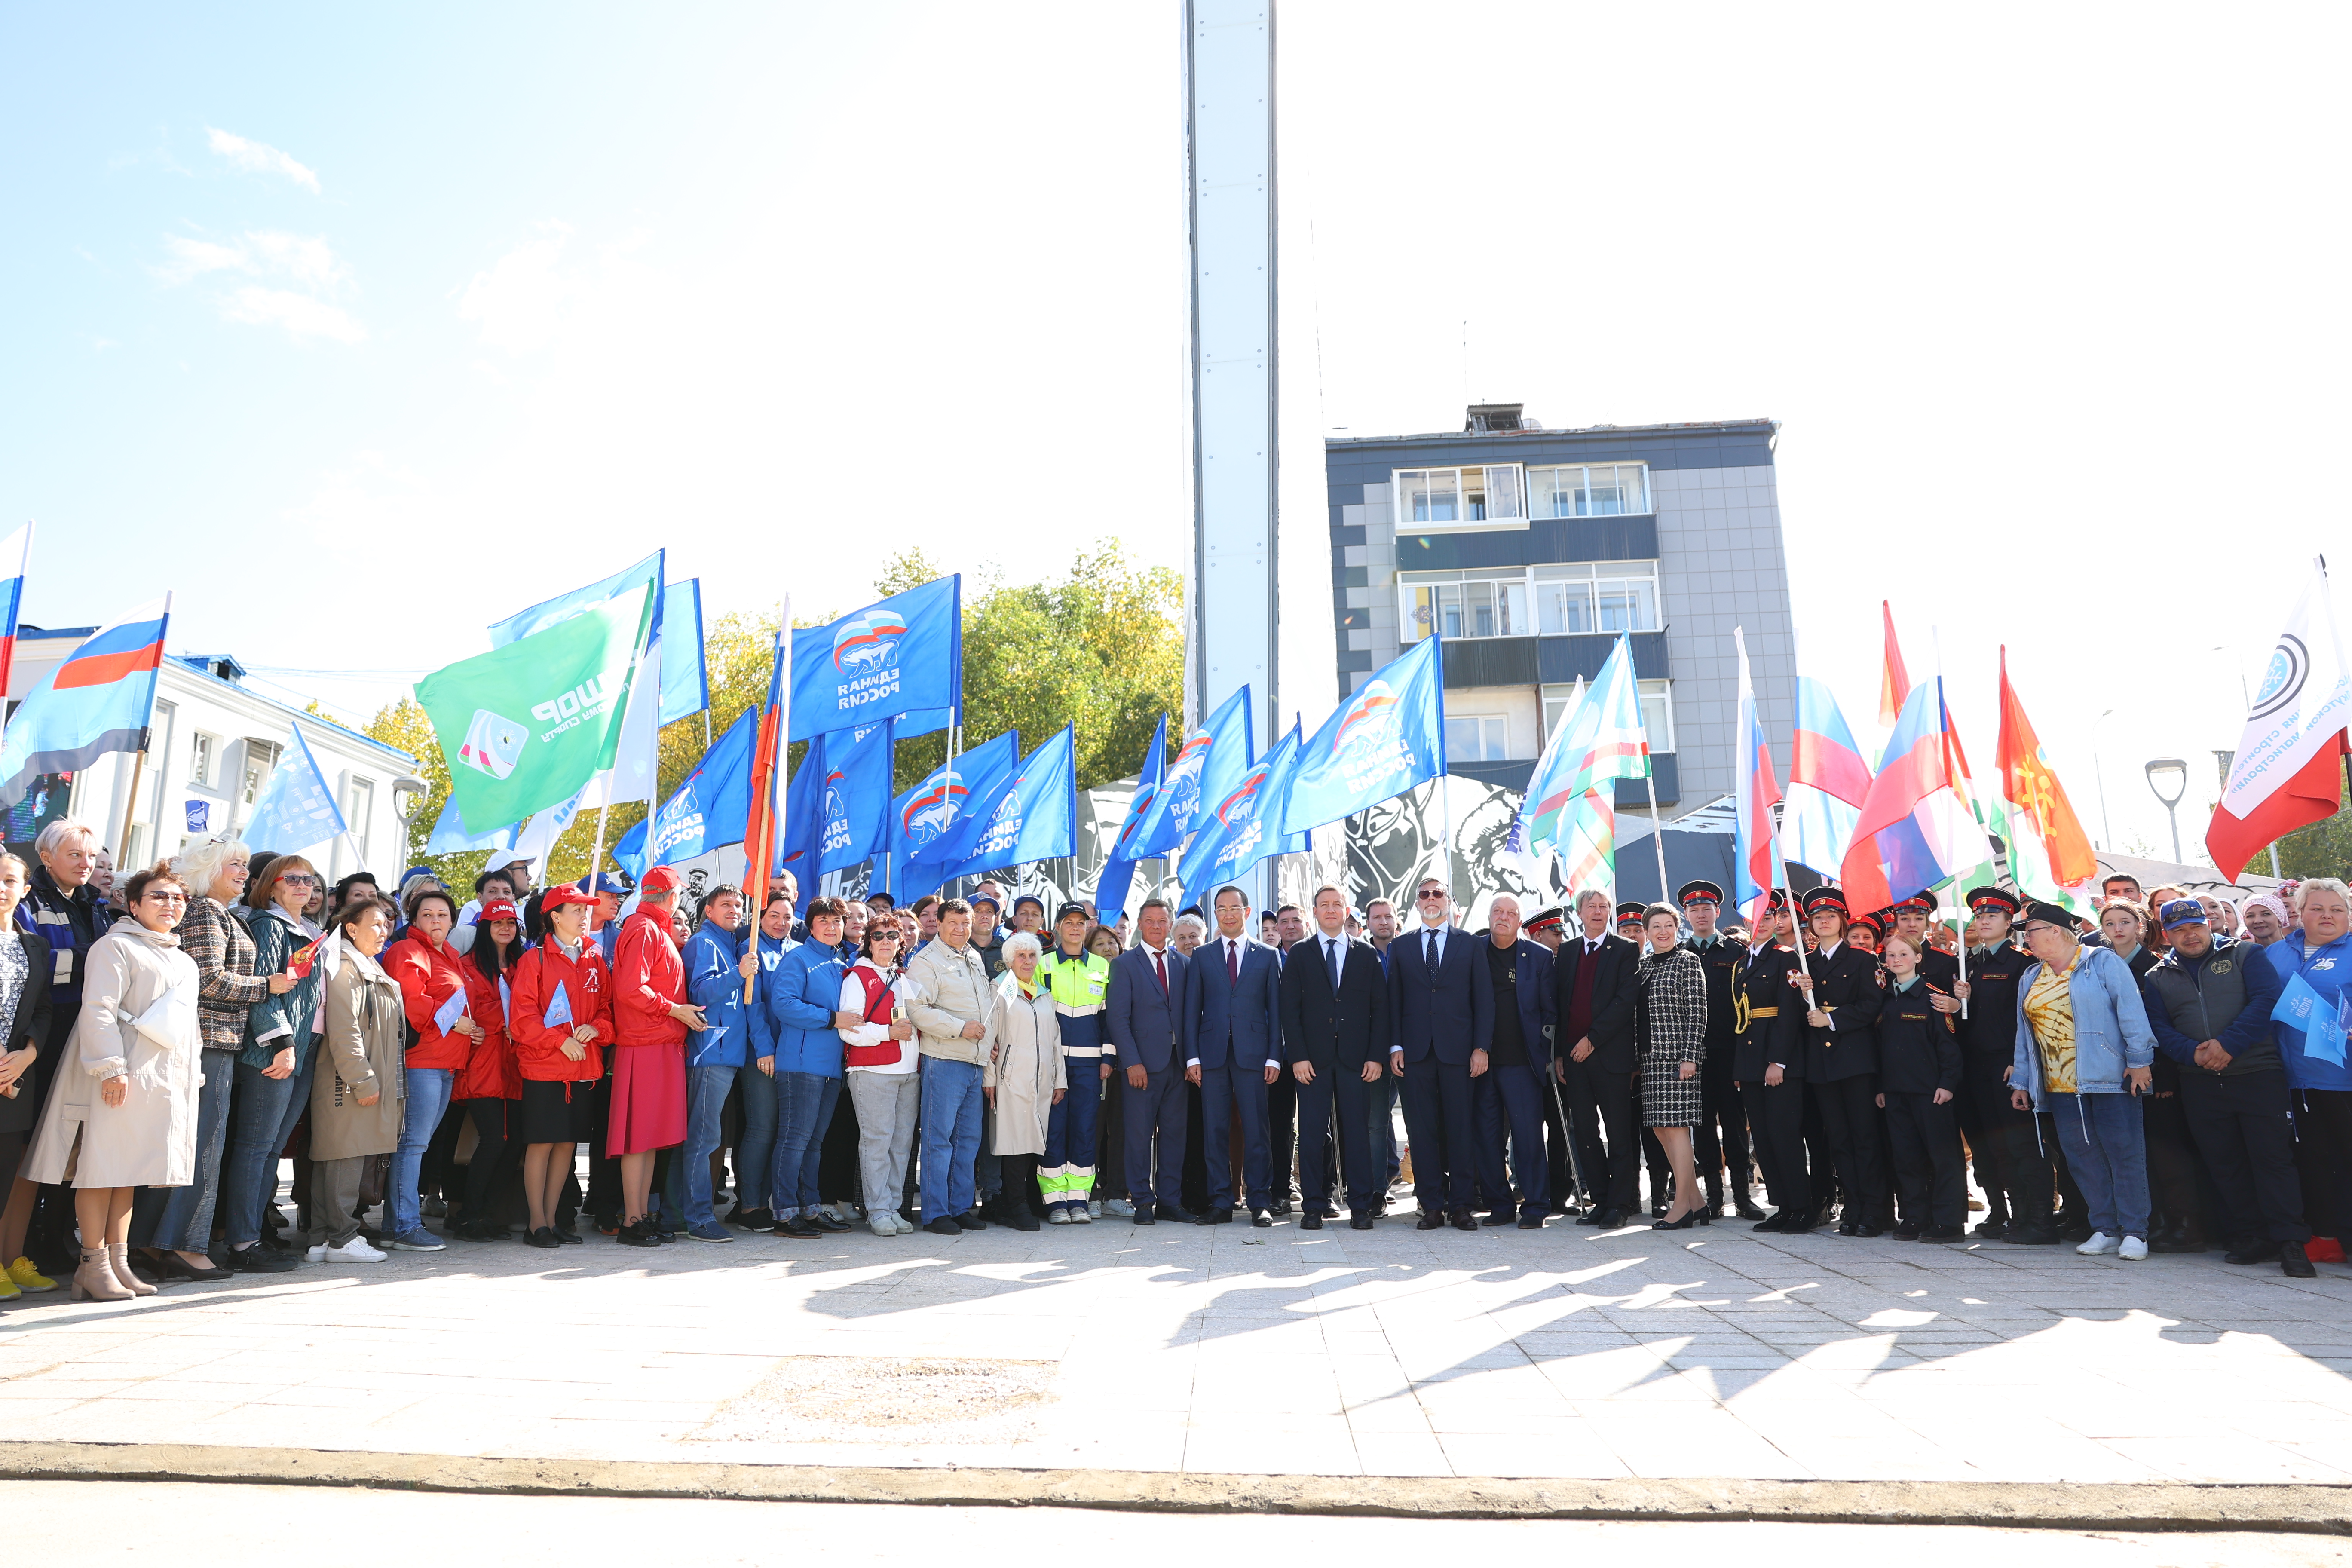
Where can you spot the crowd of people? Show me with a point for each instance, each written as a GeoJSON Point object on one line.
{"type": "Point", "coordinates": [459, 1055]}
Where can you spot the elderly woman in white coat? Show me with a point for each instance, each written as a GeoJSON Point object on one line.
{"type": "Point", "coordinates": [123, 1114]}
{"type": "Point", "coordinates": [1023, 1079]}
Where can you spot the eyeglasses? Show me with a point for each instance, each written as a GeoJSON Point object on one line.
{"type": "Point", "coordinates": [297, 879]}
{"type": "Point", "coordinates": [163, 898]}
{"type": "Point", "coordinates": [1432, 893]}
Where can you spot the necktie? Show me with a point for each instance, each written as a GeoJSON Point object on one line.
{"type": "Point", "coordinates": [1160, 964]}
{"type": "Point", "coordinates": [1233, 962]}
{"type": "Point", "coordinates": [1429, 949]}
{"type": "Point", "coordinates": [1332, 951]}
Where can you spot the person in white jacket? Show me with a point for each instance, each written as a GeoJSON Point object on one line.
{"type": "Point", "coordinates": [878, 1065]}
{"type": "Point", "coordinates": [124, 1113]}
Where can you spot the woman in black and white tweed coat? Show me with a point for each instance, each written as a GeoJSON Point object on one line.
{"type": "Point", "coordinates": [1672, 1022]}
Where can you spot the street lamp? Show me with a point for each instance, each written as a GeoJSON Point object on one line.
{"type": "Point", "coordinates": [2169, 773]}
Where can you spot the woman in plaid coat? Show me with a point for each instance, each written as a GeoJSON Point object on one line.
{"type": "Point", "coordinates": [1672, 1021]}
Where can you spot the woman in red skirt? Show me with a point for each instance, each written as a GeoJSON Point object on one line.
{"type": "Point", "coordinates": [651, 1016]}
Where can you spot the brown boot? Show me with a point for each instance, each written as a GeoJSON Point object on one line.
{"type": "Point", "coordinates": [118, 1255]}
{"type": "Point", "coordinates": [95, 1280]}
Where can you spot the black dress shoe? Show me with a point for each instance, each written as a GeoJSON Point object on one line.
{"type": "Point", "coordinates": [258, 1259]}
{"type": "Point", "coordinates": [2030, 1235]}
{"type": "Point", "coordinates": [1744, 1207]}
{"type": "Point", "coordinates": [542, 1237]}
{"type": "Point", "coordinates": [1179, 1214]}
{"type": "Point", "coordinates": [753, 1219]}
{"type": "Point", "coordinates": [1941, 1233]}
{"type": "Point", "coordinates": [635, 1234]}
{"type": "Point", "coordinates": [2294, 1262]}
{"type": "Point", "coordinates": [1431, 1219]}
{"type": "Point", "coordinates": [1281, 1206]}
{"type": "Point", "coordinates": [1144, 1216]}
{"type": "Point", "coordinates": [1905, 1233]}
{"type": "Point", "coordinates": [831, 1222]}
{"type": "Point", "coordinates": [971, 1220]}
{"type": "Point", "coordinates": [1798, 1225]}
{"type": "Point", "coordinates": [1531, 1222]}
{"type": "Point", "coordinates": [1306, 1222]}
{"type": "Point", "coordinates": [1261, 1220]}
{"type": "Point", "coordinates": [2252, 1252]}
{"type": "Point", "coordinates": [1359, 1222]}
{"type": "Point", "coordinates": [1870, 1232]}
{"type": "Point", "coordinates": [1995, 1229]}
{"type": "Point", "coordinates": [1612, 1219]}
{"type": "Point", "coordinates": [800, 1228]}
{"type": "Point", "coordinates": [1848, 1227]}
{"type": "Point", "coordinates": [1590, 1216]}
{"type": "Point", "coordinates": [1496, 1216]}
{"type": "Point", "coordinates": [1214, 1217]}
{"type": "Point", "coordinates": [567, 1237]}
{"type": "Point", "coordinates": [1463, 1219]}
{"type": "Point", "coordinates": [941, 1226]}
{"type": "Point", "coordinates": [1773, 1223]}
{"type": "Point", "coordinates": [1024, 1220]}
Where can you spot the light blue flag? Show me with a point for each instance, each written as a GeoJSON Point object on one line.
{"type": "Point", "coordinates": [855, 800]}
{"type": "Point", "coordinates": [446, 1016]}
{"type": "Point", "coordinates": [646, 574]}
{"type": "Point", "coordinates": [1117, 879]}
{"type": "Point", "coordinates": [706, 811]}
{"type": "Point", "coordinates": [902, 656]}
{"type": "Point", "coordinates": [450, 837]}
{"type": "Point", "coordinates": [1033, 816]}
{"type": "Point", "coordinates": [1377, 744]}
{"type": "Point", "coordinates": [1242, 827]}
{"type": "Point", "coordinates": [1210, 762]}
{"type": "Point", "coordinates": [297, 810]}
{"type": "Point", "coordinates": [686, 680]}
{"type": "Point", "coordinates": [2321, 1023]}
{"type": "Point", "coordinates": [922, 819]}
{"type": "Point", "coordinates": [559, 1008]}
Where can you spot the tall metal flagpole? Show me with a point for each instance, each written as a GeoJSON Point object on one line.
{"type": "Point", "coordinates": [1657, 832]}
{"type": "Point", "coordinates": [1936, 633]}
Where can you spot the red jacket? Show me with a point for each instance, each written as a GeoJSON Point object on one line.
{"type": "Point", "coordinates": [538, 1050]}
{"type": "Point", "coordinates": [490, 1072]}
{"type": "Point", "coordinates": [428, 977]}
{"type": "Point", "coordinates": [648, 980]}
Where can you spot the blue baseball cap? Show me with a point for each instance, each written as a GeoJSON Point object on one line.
{"type": "Point", "coordinates": [603, 882]}
{"type": "Point", "coordinates": [2179, 913]}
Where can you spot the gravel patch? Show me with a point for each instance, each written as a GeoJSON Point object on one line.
{"type": "Point", "coordinates": [857, 1399]}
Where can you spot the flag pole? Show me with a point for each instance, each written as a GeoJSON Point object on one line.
{"type": "Point", "coordinates": [1935, 631]}
{"type": "Point", "coordinates": [130, 805]}
{"type": "Point", "coordinates": [1657, 832]}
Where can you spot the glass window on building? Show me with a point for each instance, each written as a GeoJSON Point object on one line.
{"type": "Point", "coordinates": [1583, 599]}
{"type": "Point", "coordinates": [1657, 711]}
{"type": "Point", "coordinates": [1478, 738]}
{"type": "Point", "coordinates": [1484, 603]}
{"type": "Point", "coordinates": [1591, 490]}
{"type": "Point", "coordinates": [1437, 498]}
{"type": "Point", "coordinates": [259, 757]}
{"type": "Point", "coordinates": [358, 812]}
{"type": "Point", "coordinates": [201, 759]}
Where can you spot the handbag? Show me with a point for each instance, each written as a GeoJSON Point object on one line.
{"type": "Point", "coordinates": [877, 996]}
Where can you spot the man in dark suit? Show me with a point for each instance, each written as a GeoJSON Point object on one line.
{"type": "Point", "coordinates": [1507, 1099]}
{"type": "Point", "coordinates": [1336, 1037]}
{"type": "Point", "coordinates": [1443, 1019]}
{"type": "Point", "coordinates": [1595, 979]}
{"type": "Point", "coordinates": [1140, 1011]}
{"type": "Point", "coordinates": [1840, 985]}
{"type": "Point", "coordinates": [1231, 1030]}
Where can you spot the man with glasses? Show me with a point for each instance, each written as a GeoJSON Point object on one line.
{"type": "Point", "coordinates": [1336, 1035]}
{"type": "Point", "coordinates": [1595, 980]}
{"type": "Point", "coordinates": [1444, 1019]}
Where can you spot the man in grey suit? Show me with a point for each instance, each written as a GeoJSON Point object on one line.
{"type": "Point", "coordinates": [1231, 1032]}
{"type": "Point", "coordinates": [1146, 992]}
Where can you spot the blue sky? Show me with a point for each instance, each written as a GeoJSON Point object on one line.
{"type": "Point", "coordinates": [413, 315]}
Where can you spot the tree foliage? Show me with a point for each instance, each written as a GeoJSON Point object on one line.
{"type": "Point", "coordinates": [1101, 648]}
{"type": "Point", "coordinates": [2322, 849]}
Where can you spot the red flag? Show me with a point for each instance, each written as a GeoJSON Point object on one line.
{"type": "Point", "coordinates": [2308, 797]}
{"type": "Point", "coordinates": [298, 962]}
{"type": "Point", "coordinates": [1894, 682]}
{"type": "Point", "coordinates": [2283, 774]}
{"type": "Point", "coordinates": [767, 773]}
{"type": "Point", "coordinates": [2027, 783]}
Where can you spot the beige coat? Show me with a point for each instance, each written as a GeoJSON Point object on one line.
{"type": "Point", "coordinates": [150, 1140]}
{"type": "Point", "coordinates": [1026, 1069]}
{"type": "Point", "coordinates": [944, 991]}
{"type": "Point", "coordinates": [361, 1053]}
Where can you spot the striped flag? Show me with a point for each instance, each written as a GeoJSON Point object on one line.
{"type": "Point", "coordinates": [16, 557]}
{"type": "Point", "coordinates": [1893, 681]}
{"type": "Point", "coordinates": [769, 748]}
{"type": "Point", "coordinates": [1753, 797]}
{"type": "Point", "coordinates": [101, 700]}
{"type": "Point", "coordinates": [1828, 780]}
{"type": "Point", "coordinates": [1570, 804]}
{"type": "Point", "coordinates": [1915, 830]}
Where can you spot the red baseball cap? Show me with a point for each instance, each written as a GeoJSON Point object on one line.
{"type": "Point", "coordinates": [498, 909]}
{"type": "Point", "coordinates": [565, 893]}
{"type": "Point", "coordinates": [658, 878]}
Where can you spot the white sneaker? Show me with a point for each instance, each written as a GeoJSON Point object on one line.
{"type": "Point", "coordinates": [1094, 1208]}
{"type": "Point", "coordinates": [1120, 1207]}
{"type": "Point", "coordinates": [2101, 1244]}
{"type": "Point", "coordinates": [884, 1225]}
{"type": "Point", "coordinates": [2133, 1249]}
{"type": "Point", "coordinates": [355, 1251]}
{"type": "Point", "coordinates": [1084, 1214]}
{"type": "Point", "coordinates": [1057, 1215]}
{"type": "Point", "coordinates": [317, 1254]}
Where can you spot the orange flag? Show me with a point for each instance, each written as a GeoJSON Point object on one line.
{"type": "Point", "coordinates": [2036, 797]}
{"type": "Point", "coordinates": [1894, 682]}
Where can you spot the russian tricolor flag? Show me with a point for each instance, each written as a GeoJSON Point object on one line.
{"type": "Point", "coordinates": [16, 553]}
{"type": "Point", "coordinates": [101, 700]}
{"type": "Point", "coordinates": [1828, 782]}
{"type": "Point", "coordinates": [1915, 829]}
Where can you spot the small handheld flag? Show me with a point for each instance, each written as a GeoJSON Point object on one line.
{"type": "Point", "coordinates": [299, 963]}
{"type": "Point", "coordinates": [446, 1016]}
{"type": "Point", "coordinates": [559, 1008]}
{"type": "Point", "coordinates": [2304, 1008]}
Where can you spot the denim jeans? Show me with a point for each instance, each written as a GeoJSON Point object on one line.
{"type": "Point", "coordinates": [706, 1097]}
{"type": "Point", "coordinates": [755, 1146]}
{"type": "Point", "coordinates": [951, 1105]}
{"type": "Point", "coordinates": [804, 1103]}
{"type": "Point", "coordinates": [428, 1099]}
{"type": "Point", "coordinates": [267, 1111]}
{"type": "Point", "coordinates": [179, 1219]}
{"type": "Point", "coordinates": [2107, 1150]}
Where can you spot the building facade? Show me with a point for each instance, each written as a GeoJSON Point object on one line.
{"type": "Point", "coordinates": [210, 749]}
{"type": "Point", "coordinates": [1531, 550]}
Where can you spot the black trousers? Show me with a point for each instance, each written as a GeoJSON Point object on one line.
{"type": "Point", "coordinates": [1599, 1100]}
{"type": "Point", "coordinates": [1983, 1145]}
{"type": "Point", "coordinates": [1285, 1125]}
{"type": "Point", "coordinates": [1720, 1139]}
{"type": "Point", "coordinates": [1340, 1111]}
{"type": "Point", "coordinates": [1508, 1103]}
{"type": "Point", "coordinates": [1777, 1115]}
{"type": "Point", "coordinates": [1438, 1122]}
{"type": "Point", "coordinates": [1849, 1107]}
{"type": "Point", "coordinates": [494, 1154]}
{"type": "Point", "coordinates": [2171, 1162]}
{"type": "Point", "coordinates": [2323, 1156]}
{"type": "Point", "coordinates": [1924, 1138]}
{"type": "Point", "coordinates": [2244, 1127]}
{"type": "Point", "coordinates": [1821, 1158]}
{"type": "Point", "coordinates": [2027, 1165]}
{"type": "Point", "coordinates": [1110, 1136]}
{"type": "Point", "coordinates": [1559, 1170]}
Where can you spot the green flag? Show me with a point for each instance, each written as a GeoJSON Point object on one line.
{"type": "Point", "coordinates": [525, 726]}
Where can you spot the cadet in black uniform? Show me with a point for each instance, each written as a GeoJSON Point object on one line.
{"type": "Point", "coordinates": [1841, 983]}
{"type": "Point", "coordinates": [1918, 1076]}
{"type": "Point", "coordinates": [2020, 1194]}
{"type": "Point", "coordinates": [1910, 919]}
{"type": "Point", "coordinates": [1769, 1061]}
{"type": "Point", "coordinates": [1721, 1137]}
